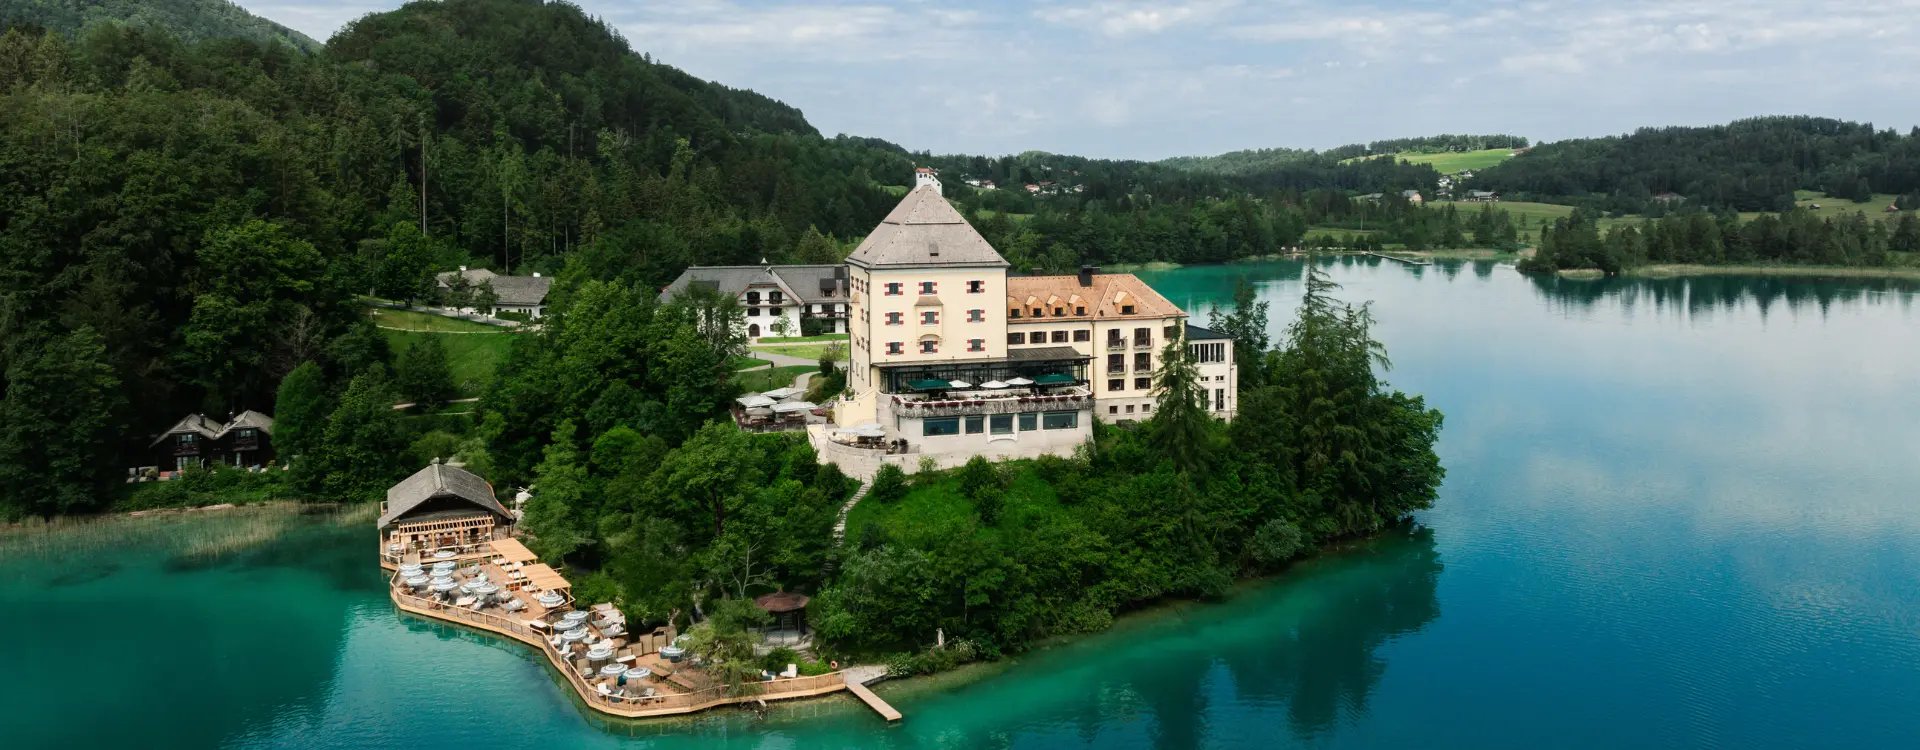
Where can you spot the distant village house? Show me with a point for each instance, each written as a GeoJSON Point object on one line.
{"type": "Point", "coordinates": [525, 295]}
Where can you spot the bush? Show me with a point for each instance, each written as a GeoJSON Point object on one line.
{"type": "Point", "coordinates": [1275, 542]}
{"type": "Point", "coordinates": [595, 587]}
{"type": "Point", "coordinates": [933, 660]}
{"type": "Point", "coordinates": [211, 486]}
{"type": "Point", "coordinates": [889, 485]}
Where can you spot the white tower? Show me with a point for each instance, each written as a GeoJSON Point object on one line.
{"type": "Point", "coordinates": [926, 177]}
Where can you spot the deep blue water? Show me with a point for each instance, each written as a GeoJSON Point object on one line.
{"type": "Point", "coordinates": [1678, 513]}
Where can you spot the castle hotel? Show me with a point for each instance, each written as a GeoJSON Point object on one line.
{"type": "Point", "coordinates": [950, 357]}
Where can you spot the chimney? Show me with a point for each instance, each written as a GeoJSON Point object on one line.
{"type": "Point", "coordinates": [1086, 274]}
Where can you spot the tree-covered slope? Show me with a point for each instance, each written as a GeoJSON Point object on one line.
{"type": "Point", "coordinates": [190, 20]}
{"type": "Point", "coordinates": [1748, 165]}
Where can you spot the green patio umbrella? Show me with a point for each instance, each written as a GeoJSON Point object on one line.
{"type": "Point", "coordinates": [930, 384]}
{"type": "Point", "coordinates": [1054, 378]}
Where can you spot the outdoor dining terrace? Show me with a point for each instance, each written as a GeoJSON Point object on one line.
{"type": "Point", "coordinates": [508, 591]}
{"type": "Point", "coordinates": [1003, 399]}
{"type": "Point", "coordinates": [778, 410]}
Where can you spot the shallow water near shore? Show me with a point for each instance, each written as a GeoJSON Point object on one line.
{"type": "Point", "coordinates": [1678, 513]}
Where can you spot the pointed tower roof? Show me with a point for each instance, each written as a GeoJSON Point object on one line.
{"type": "Point", "coordinates": [924, 230]}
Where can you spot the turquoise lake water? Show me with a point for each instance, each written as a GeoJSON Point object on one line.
{"type": "Point", "coordinates": [1678, 513]}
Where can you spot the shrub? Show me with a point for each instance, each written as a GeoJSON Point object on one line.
{"type": "Point", "coordinates": [1275, 542]}
{"type": "Point", "coordinates": [889, 484]}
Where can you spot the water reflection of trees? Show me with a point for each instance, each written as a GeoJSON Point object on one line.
{"type": "Point", "coordinates": [1705, 295]}
{"type": "Point", "coordinates": [1312, 649]}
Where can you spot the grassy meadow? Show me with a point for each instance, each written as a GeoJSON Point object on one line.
{"type": "Point", "coordinates": [1451, 161]}
{"type": "Point", "coordinates": [474, 350]}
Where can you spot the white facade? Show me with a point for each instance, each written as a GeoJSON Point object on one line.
{"type": "Point", "coordinates": [1219, 374]}
{"type": "Point", "coordinates": [930, 303]}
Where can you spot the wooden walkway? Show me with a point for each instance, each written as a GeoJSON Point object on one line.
{"type": "Point", "coordinates": [866, 696]}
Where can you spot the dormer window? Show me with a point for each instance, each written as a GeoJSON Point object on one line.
{"type": "Point", "coordinates": [1126, 309]}
{"type": "Point", "coordinates": [1037, 312]}
{"type": "Point", "coordinates": [1080, 311]}
{"type": "Point", "coordinates": [1013, 313]}
{"type": "Point", "coordinates": [1059, 311]}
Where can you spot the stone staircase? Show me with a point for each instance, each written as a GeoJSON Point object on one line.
{"type": "Point", "coordinates": [840, 526]}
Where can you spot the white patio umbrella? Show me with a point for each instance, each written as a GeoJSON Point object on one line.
{"type": "Point", "coordinates": [611, 670]}
{"type": "Point", "coordinates": [993, 385]}
{"type": "Point", "coordinates": [868, 429]}
{"type": "Point", "coordinates": [783, 393]}
{"type": "Point", "coordinates": [793, 406]}
{"type": "Point", "coordinates": [754, 401]}
{"type": "Point", "coordinates": [550, 599]}
{"type": "Point", "coordinates": [1019, 381]}
{"type": "Point", "coordinates": [959, 384]}
{"type": "Point", "coordinates": [445, 587]}
{"type": "Point", "coordinates": [417, 581]}
{"type": "Point", "coordinates": [576, 634]}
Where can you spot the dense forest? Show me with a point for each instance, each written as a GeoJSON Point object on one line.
{"type": "Point", "coordinates": [190, 20]}
{"type": "Point", "coordinates": [1748, 165]}
{"type": "Point", "coordinates": [188, 263]}
{"type": "Point", "coordinates": [1794, 237]}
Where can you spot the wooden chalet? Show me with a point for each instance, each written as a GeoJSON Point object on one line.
{"type": "Point", "coordinates": [246, 439]}
{"type": "Point", "coordinates": [439, 508]}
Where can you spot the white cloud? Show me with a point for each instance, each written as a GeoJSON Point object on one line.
{"type": "Point", "coordinates": [1147, 79]}
{"type": "Point", "coordinates": [1116, 18]}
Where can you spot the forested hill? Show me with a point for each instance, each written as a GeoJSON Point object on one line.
{"type": "Point", "coordinates": [1748, 165]}
{"type": "Point", "coordinates": [189, 20]}
{"type": "Point", "coordinates": [182, 224]}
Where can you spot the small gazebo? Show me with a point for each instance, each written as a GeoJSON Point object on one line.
{"type": "Point", "coordinates": [789, 610]}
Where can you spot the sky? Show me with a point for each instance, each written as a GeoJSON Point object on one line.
{"type": "Point", "coordinates": [1146, 80]}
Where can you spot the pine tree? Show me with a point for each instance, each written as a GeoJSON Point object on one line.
{"type": "Point", "coordinates": [1181, 428]}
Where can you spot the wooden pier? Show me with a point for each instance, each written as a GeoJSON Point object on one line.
{"type": "Point", "coordinates": [1408, 261]}
{"type": "Point", "coordinates": [874, 702]}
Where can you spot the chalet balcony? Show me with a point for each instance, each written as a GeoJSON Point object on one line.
{"type": "Point", "coordinates": [186, 449]}
{"type": "Point", "coordinates": [972, 404]}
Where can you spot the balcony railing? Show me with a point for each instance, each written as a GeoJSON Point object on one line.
{"type": "Point", "coordinates": [1143, 343]}
{"type": "Point", "coordinates": [966, 407]}
{"type": "Point", "coordinates": [1116, 345]}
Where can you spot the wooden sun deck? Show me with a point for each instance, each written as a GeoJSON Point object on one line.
{"type": "Point", "coordinates": [676, 688]}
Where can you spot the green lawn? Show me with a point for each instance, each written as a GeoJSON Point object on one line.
{"type": "Point", "coordinates": [937, 510]}
{"type": "Point", "coordinates": [759, 381]}
{"type": "Point", "coordinates": [803, 339]}
{"type": "Point", "coordinates": [418, 321]}
{"type": "Point", "coordinates": [742, 363]}
{"type": "Point", "coordinates": [1452, 161]}
{"type": "Point", "coordinates": [1835, 208]}
{"type": "Point", "coordinates": [808, 351]}
{"type": "Point", "coordinates": [473, 357]}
